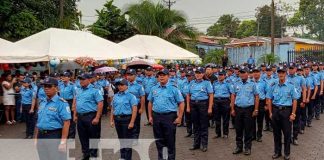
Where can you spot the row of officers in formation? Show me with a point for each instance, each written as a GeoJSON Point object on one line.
{"type": "Point", "coordinates": [286, 98]}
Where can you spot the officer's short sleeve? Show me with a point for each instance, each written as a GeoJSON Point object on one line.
{"type": "Point", "coordinates": [185, 89]}
{"type": "Point", "coordinates": [133, 100]}
{"type": "Point", "coordinates": [230, 88]}
{"type": "Point", "coordinates": [269, 92]}
{"type": "Point", "coordinates": [209, 87]}
{"type": "Point", "coordinates": [150, 96]}
{"type": "Point", "coordinates": [303, 82]}
{"type": "Point", "coordinates": [256, 90]}
{"type": "Point", "coordinates": [98, 96]}
{"type": "Point", "coordinates": [141, 91]}
{"type": "Point", "coordinates": [294, 92]}
{"type": "Point", "coordinates": [65, 112]}
{"type": "Point", "coordinates": [178, 95]}
{"type": "Point", "coordinates": [316, 81]}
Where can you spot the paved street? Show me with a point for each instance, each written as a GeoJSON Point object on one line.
{"type": "Point", "coordinates": [310, 148]}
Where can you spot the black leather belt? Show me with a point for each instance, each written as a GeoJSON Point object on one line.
{"type": "Point", "coordinates": [40, 131]}
{"type": "Point", "coordinates": [197, 101]}
{"type": "Point", "coordinates": [86, 114]}
{"type": "Point", "coordinates": [221, 98]}
{"type": "Point", "coordinates": [167, 113]}
{"type": "Point", "coordinates": [282, 107]}
{"type": "Point", "coordinates": [123, 116]}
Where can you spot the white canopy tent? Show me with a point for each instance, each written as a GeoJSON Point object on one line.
{"type": "Point", "coordinates": [157, 48]}
{"type": "Point", "coordinates": [11, 53]}
{"type": "Point", "coordinates": [70, 44]}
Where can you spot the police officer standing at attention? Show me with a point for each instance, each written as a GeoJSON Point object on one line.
{"type": "Point", "coordinates": [88, 106]}
{"type": "Point", "coordinates": [138, 91]}
{"type": "Point", "coordinates": [222, 93]}
{"type": "Point", "coordinates": [148, 82]}
{"type": "Point", "coordinates": [53, 123]}
{"type": "Point", "coordinates": [200, 104]}
{"type": "Point", "coordinates": [123, 115]}
{"type": "Point", "coordinates": [67, 92]}
{"type": "Point", "coordinates": [190, 77]}
{"type": "Point", "coordinates": [282, 106]}
{"type": "Point", "coordinates": [164, 102]}
{"type": "Point", "coordinates": [244, 106]}
{"type": "Point", "coordinates": [311, 95]}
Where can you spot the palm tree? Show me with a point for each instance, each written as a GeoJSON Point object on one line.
{"type": "Point", "coordinates": [155, 19]}
{"type": "Point", "coordinates": [214, 56]}
{"type": "Point", "coordinates": [269, 59]}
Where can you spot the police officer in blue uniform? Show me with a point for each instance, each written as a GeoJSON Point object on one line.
{"type": "Point", "coordinates": [148, 82]}
{"type": "Point", "coordinates": [67, 92]}
{"type": "Point", "coordinates": [173, 79]}
{"type": "Point", "coordinates": [138, 91]}
{"type": "Point", "coordinates": [27, 103]}
{"type": "Point", "coordinates": [53, 123]}
{"type": "Point", "coordinates": [88, 103]}
{"type": "Point", "coordinates": [300, 86]}
{"type": "Point", "coordinates": [282, 105]}
{"type": "Point", "coordinates": [181, 81]}
{"type": "Point", "coordinates": [244, 106]}
{"type": "Point", "coordinates": [270, 81]}
{"type": "Point", "coordinates": [190, 76]}
{"type": "Point", "coordinates": [123, 115]}
{"type": "Point", "coordinates": [317, 77]}
{"type": "Point", "coordinates": [312, 84]}
{"type": "Point", "coordinates": [104, 84]}
{"type": "Point", "coordinates": [164, 102]}
{"type": "Point", "coordinates": [222, 93]}
{"type": "Point", "coordinates": [262, 88]}
{"type": "Point", "coordinates": [200, 99]}
{"type": "Point", "coordinates": [139, 77]}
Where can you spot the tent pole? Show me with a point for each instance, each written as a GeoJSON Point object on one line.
{"type": "Point", "coordinates": [49, 68]}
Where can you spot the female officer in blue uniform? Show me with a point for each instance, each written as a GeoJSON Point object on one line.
{"type": "Point", "coordinates": [53, 123]}
{"type": "Point", "coordinates": [138, 91]}
{"type": "Point", "coordinates": [200, 102]}
{"type": "Point", "coordinates": [27, 94]}
{"type": "Point", "coordinates": [123, 115]}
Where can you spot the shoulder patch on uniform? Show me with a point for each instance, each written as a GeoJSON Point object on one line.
{"type": "Point", "coordinates": [68, 109]}
{"type": "Point", "coordinates": [63, 100]}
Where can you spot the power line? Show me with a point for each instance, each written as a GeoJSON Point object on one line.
{"type": "Point", "coordinates": [169, 3]}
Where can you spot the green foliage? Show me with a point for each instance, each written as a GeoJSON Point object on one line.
{"type": "Point", "coordinates": [247, 28]}
{"type": "Point", "coordinates": [112, 24]}
{"type": "Point", "coordinates": [214, 56]}
{"type": "Point", "coordinates": [155, 19]}
{"type": "Point", "coordinates": [269, 59]}
{"type": "Point", "coordinates": [22, 25]}
{"type": "Point", "coordinates": [41, 13]}
{"type": "Point", "coordinates": [264, 19]}
{"type": "Point", "coordinates": [226, 26]}
{"type": "Point", "coordinates": [310, 15]}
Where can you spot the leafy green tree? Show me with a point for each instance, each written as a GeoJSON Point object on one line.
{"type": "Point", "coordinates": [247, 28]}
{"type": "Point", "coordinates": [155, 19]}
{"type": "Point", "coordinates": [264, 19]}
{"type": "Point", "coordinates": [269, 59]}
{"type": "Point", "coordinates": [214, 56]}
{"type": "Point", "coordinates": [226, 26]}
{"type": "Point", "coordinates": [112, 24]}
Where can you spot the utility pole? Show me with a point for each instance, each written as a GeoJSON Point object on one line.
{"type": "Point", "coordinates": [61, 12]}
{"type": "Point", "coordinates": [272, 27]}
{"type": "Point", "coordinates": [169, 3]}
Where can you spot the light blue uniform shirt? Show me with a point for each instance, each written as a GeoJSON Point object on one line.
{"type": "Point", "coordinates": [139, 79]}
{"type": "Point", "coordinates": [298, 81]}
{"type": "Point", "coordinates": [270, 80]}
{"type": "Point", "coordinates": [282, 94]}
{"type": "Point", "coordinates": [200, 90]}
{"type": "Point", "coordinates": [123, 103]}
{"type": "Point", "coordinates": [251, 60]}
{"type": "Point", "coordinates": [181, 84]}
{"type": "Point", "coordinates": [222, 89]}
{"type": "Point", "coordinates": [173, 80]}
{"type": "Point", "coordinates": [67, 91]}
{"type": "Point", "coordinates": [41, 95]}
{"type": "Point", "coordinates": [165, 99]}
{"type": "Point", "coordinates": [262, 88]}
{"type": "Point", "coordinates": [245, 94]}
{"type": "Point", "coordinates": [27, 95]}
{"type": "Point", "coordinates": [310, 81]}
{"type": "Point", "coordinates": [137, 90]}
{"type": "Point", "coordinates": [52, 113]}
{"type": "Point", "coordinates": [87, 99]}
{"type": "Point", "coordinates": [317, 77]}
{"type": "Point", "coordinates": [148, 83]}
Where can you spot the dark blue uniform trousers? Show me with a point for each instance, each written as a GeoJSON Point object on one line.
{"type": "Point", "coordinates": [317, 103]}
{"type": "Point", "coordinates": [257, 125]}
{"type": "Point", "coordinates": [87, 131]}
{"type": "Point", "coordinates": [165, 133]}
{"type": "Point", "coordinates": [310, 109]}
{"type": "Point", "coordinates": [29, 119]}
{"type": "Point", "coordinates": [137, 125]}
{"type": "Point", "coordinates": [47, 145]}
{"type": "Point", "coordinates": [221, 111]}
{"type": "Point", "coordinates": [281, 124]}
{"type": "Point", "coordinates": [243, 126]}
{"type": "Point", "coordinates": [72, 129]}
{"type": "Point", "coordinates": [199, 116]}
{"type": "Point", "coordinates": [297, 121]}
{"type": "Point", "coordinates": [121, 125]}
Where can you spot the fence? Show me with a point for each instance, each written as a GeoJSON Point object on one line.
{"type": "Point", "coordinates": [316, 54]}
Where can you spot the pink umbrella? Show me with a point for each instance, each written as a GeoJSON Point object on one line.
{"type": "Point", "coordinates": [105, 69]}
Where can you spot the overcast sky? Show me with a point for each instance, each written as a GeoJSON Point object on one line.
{"type": "Point", "coordinates": [200, 13]}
